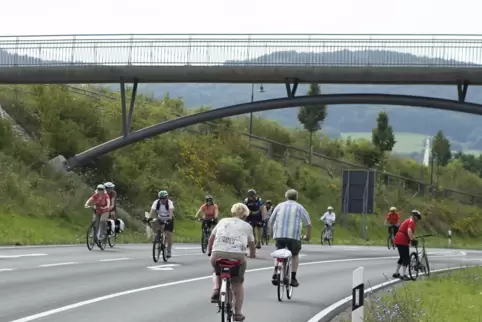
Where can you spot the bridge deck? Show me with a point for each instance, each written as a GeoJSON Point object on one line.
{"type": "Point", "coordinates": [239, 74]}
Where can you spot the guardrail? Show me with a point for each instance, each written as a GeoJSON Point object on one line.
{"type": "Point", "coordinates": [333, 167]}
{"type": "Point", "coordinates": [243, 50]}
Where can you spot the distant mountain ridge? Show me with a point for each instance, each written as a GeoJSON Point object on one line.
{"type": "Point", "coordinates": [463, 128]}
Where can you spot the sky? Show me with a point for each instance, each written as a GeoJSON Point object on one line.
{"type": "Point", "coordinates": [51, 17]}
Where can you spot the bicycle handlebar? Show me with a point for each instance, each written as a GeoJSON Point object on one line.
{"type": "Point", "coordinates": [423, 236]}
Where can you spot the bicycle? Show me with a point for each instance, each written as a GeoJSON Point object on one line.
{"type": "Point", "coordinates": [91, 236]}
{"type": "Point", "coordinates": [419, 260]}
{"type": "Point", "coordinates": [391, 237]}
{"type": "Point", "coordinates": [159, 240]}
{"type": "Point", "coordinates": [283, 272]}
{"type": "Point", "coordinates": [327, 235]}
{"type": "Point", "coordinates": [206, 232]}
{"type": "Point", "coordinates": [227, 269]}
{"type": "Point", "coordinates": [265, 237]}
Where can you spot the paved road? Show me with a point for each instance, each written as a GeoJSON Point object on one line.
{"type": "Point", "coordinates": [74, 284]}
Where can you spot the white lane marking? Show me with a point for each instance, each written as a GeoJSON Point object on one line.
{"type": "Point", "coordinates": [463, 253]}
{"type": "Point", "coordinates": [57, 264]}
{"type": "Point", "coordinates": [152, 287]}
{"type": "Point", "coordinates": [22, 255]}
{"type": "Point", "coordinates": [324, 313]}
{"type": "Point", "coordinates": [113, 259]}
{"type": "Point", "coordinates": [302, 255]}
{"type": "Point", "coordinates": [165, 267]}
{"type": "Point", "coordinates": [6, 269]}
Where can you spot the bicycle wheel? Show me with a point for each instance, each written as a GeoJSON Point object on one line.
{"type": "Point", "coordinates": [112, 239]}
{"type": "Point", "coordinates": [413, 266]}
{"type": "Point", "coordinates": [102, 243]}
{"type": "Point", "coordinates": [90, 240]}
{"type": "Point", "coordinates": [156, 248]}
{"type": "Point", "coordinates": [323, 237]}
{"type": "Point", "coordinates": [289, 288]}
{"type": "Point", "coordinates": [163, 247]}
{"type": "Point", "coordinates": [389, 242]}
{"type": "Point", "coordinates": [329, 238]}
{"type": "Point", "coordinates": [266, 240]}
{"type": "Point", "coordinates": [281, 284]}
{"type": "Point", "coordinates": [426, 265]}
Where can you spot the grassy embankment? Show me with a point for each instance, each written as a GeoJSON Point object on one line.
{"type": "Point", "coordinates": [447, 297]}
{"type": "Point", "coordinates": [40, 206]}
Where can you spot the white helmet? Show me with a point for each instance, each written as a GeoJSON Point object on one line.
{"type": "Point", "coordinates": [329, 208]}
{"type": "Point", "coordinates": [109, 185]}
{"type": "Point", "coordinates": [101, 186]}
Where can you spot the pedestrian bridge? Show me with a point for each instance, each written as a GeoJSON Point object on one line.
{"type": "Point", "coordinates": [360, 59]}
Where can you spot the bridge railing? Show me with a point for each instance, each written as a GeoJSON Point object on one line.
{"type": "Point", "coordinates": [243, 50]}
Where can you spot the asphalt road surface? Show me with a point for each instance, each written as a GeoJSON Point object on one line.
{"type": "Point", "coordinates": [123, 284]}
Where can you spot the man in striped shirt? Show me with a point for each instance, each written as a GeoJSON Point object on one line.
{"type": "Point", "coordinates": [286, 224]}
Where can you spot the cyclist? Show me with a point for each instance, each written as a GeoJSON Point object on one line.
{"type": "Point", "coordinates": [267, 215]}
{"type": "Point", "coordinates": [393, 220]}
{"type": "Point", "coordinates": [163, 209]}
{"type": "Point", "coordinates": [210, 211]}
{"type": "Point", "coordinates": [286, 225]}
{"type": "Point", "coordinates": [109, 187]}
{"type": "Point", "coordinates": [101, 203]}
{"type": "Point", "coordinates": [403, 238]}
{"type": "Point", "coordinates": [228, 240]}
{"type": "Point", "coordinates": [255, 218]}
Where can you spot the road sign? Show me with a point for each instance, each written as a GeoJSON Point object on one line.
{"type": "Point", "coordinates": [165, 267]}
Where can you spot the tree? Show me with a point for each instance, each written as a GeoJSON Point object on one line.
{"type": "Point", "coordinates": [441, 152]}
{"type": "Point", "coordinates": [382, 136]}
{"type": "Point", "coordinates": [312, 116]}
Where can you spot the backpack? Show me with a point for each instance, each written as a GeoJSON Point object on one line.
{"type": "Point", "coordinates": [158, 206]}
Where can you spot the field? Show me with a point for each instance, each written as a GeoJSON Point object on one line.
{"type": "Point", "coordinates": [407, 143]}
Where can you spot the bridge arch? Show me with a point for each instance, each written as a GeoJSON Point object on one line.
{"type": "Point", "coordinates": [272, 104]}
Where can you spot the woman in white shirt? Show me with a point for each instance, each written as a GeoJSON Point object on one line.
{"type": "Point", "coordinates": [228, 240]}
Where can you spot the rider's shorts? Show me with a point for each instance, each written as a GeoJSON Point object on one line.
{"type": "Point", "coordinates": [293, 245]}
{"type": "Point", "coordinates": [169, 227]}
{"type": "Point", "coordinates": [255, 220]}
{"type": "Point", "coordinates": [237, 273]}
{"type": "Point", "coordinates": [209, 222]}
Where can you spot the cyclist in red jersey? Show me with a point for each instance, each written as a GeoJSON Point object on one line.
{"type": "Point", "coordinates": [101, 202]}
{"type": "Point", "coordinates": [109, 187]}
{"type": "Point", "coordinates": [403, 238]}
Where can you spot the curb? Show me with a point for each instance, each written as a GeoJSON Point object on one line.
{"type": "Point", "coordinates": [336, 308]}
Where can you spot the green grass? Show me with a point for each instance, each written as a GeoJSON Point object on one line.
{"type": "Point", "coordinates": [407, 143]}
{"type": "Point", "coordinates": [447, 297]}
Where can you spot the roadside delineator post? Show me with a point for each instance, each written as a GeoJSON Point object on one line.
{"type": "Point", "coordinates": [358, 296]}
{"type": "Point", "coordinates": [449, 234]}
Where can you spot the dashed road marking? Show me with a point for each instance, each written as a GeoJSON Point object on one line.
{"type": "Point", "coordinates": [58, 264]}
{"type": "Point", "coordinates": [113, 259]}
{"type": "Point", "coordinates": [21, 255]}
{"type": "Point", "coordinates": [6, 269]}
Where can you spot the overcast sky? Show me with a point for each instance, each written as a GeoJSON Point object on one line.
{"type": "Point", "coordinates": [25, 17]}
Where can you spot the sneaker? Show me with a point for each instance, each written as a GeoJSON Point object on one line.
{"type": "Point", "coordinates": [215, 296]}
{"type": "Point", "coordinates": [274, 279]}
{"type": "Point", "coordinates": [294, 282]}
{"type": "Point", "coordinates": [405, 278]}
{"type": "Point", "coordinates": [168, 254]}
{"type": "Point", "coordinates": [396, 275]}
{"type": "Point", "coordinates": [258, 246]}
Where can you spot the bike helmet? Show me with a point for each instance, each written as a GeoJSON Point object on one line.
{"type": "Point", "coordinates": [209, 198]}
{"type": "Point", "coordinates": [109, 185]}
{"type": "Point", "coordinates": [251, 193]}
{"type": "Point", "coordinates": [417, 214]}
{"type": "Point", "coordinates": [162, 194]}
{"type": "Point", "coordinates": [269, 202]}
{"type": "Point", "coordinates": [100, 187]}
{"type": "Point", "coordinates": [393, 209]}
{"type": "Point", "coordinates": [329, 208]}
